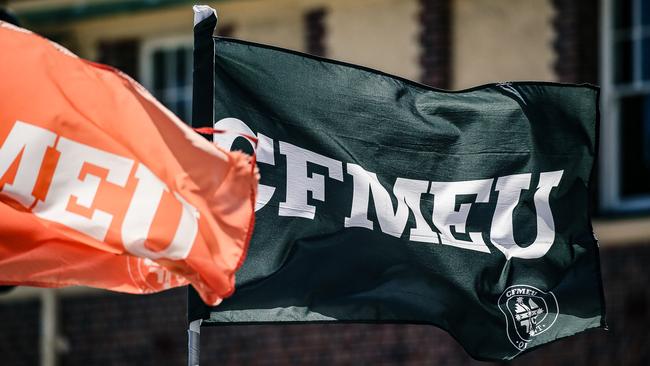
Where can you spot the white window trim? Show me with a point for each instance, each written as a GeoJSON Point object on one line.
{"type": "Point", "coordinates": [149, 46]}
{"type": "Point", "coordinates": [610, 169]}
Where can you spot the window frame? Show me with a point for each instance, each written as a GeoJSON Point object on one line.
{"type": "Point", "coordinates": [611, 199]}
{"type": "Point", "coordinates": [151, 45]}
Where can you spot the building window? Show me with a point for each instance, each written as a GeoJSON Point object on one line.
{"type": "Point", "coordinates": [166, 72]}
{"type": "Point", "coordinates": [625, 75]}
{"type": "Point", "coordinates": [121, 54]}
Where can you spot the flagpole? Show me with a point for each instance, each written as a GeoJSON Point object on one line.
{"type": "Point", "coordinates": [201, 113]}
{"type": "Point", "coordinates": [194, 343]}
{"type": "Point", "coordinates": [48, 327]}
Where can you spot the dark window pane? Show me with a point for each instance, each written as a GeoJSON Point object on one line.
{"type": "Point", "coordinates": [645, 12]}
{"type": "Point", "coordinates": [623, 61]}
{"type": "Point", "coordinates": [170, 68]}
{"type": "Point", "coordinates": [181, 67]}
{"type": "Point", "coordinates": [159, 80]}
{"type": "Point", "coordinates": [635, 145]}
{"type": "Point", "coordinates": [180, 110]}
{"type": "Point", "coordinates": [622, 14]}
{"type": "Point", "coordinates": [122, 54]}
{"type": "Point", "coordinates": [172, 76]}
{"type": "Point", "coordinates": [645, 51]}
{"type": "Point", "coordinates": [189, 61]}
{"type": "Point", "coordinates": [188, 114]}
{"type": "Point", "coordinates": [164, 98]}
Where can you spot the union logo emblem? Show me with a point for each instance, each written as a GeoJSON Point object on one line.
{"type": "Point", "coordinates": [150, 277]}
{"type": "Point", "coordinates": [529, 312]}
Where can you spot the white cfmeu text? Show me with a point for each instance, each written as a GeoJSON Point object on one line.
{"type": "Point", "coordinates": [73, 183]}
{"type": "Point", "coordinates": [392, 219]}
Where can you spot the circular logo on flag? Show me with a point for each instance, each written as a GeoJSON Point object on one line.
{"type": "Point", "coordinates": [151, 277]}
{"type": "Point", "coordinates": [529, 312]}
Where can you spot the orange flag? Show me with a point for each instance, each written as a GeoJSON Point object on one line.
{"type": "Point", "coordinates": [102, 186]}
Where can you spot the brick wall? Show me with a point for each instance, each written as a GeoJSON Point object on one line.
{"type": "Point", "coordinates": [435, 42]}
{"type": "Point", "coordinates": [576, 40]}
{"type": "Point", "coordinates": [315, 31]}
{"type": "Point", "coordinates": [125, 329]}
{"type": "Point", "coordinates": [19, 329]}
{"type": "Point", "coordinates": [117, 329]}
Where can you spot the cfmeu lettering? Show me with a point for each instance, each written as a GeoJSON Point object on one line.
{"type": "Point", "coordinates": [408, 194]}
{"type": "Point", "coordinates": [73, 182]}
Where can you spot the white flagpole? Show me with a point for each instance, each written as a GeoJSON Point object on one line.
{"type": "Point", "coordinates": [48, 327]}
{"type": "Point", "coordinates": [194, 343]}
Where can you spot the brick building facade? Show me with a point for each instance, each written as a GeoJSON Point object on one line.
{"type": "Point", "coordinates": [117, 329]}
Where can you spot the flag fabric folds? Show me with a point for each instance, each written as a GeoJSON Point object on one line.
{"type": "Point", "coordinates": [102, 186]}
{"type": "Point", "coordinates": [383, 200]}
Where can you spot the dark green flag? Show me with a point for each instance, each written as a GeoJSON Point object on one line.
{"type": "Point", "coordinates": [384, 200]}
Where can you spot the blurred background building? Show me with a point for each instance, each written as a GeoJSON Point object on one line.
{"type": "Point", "coordinates": [450, 44]}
